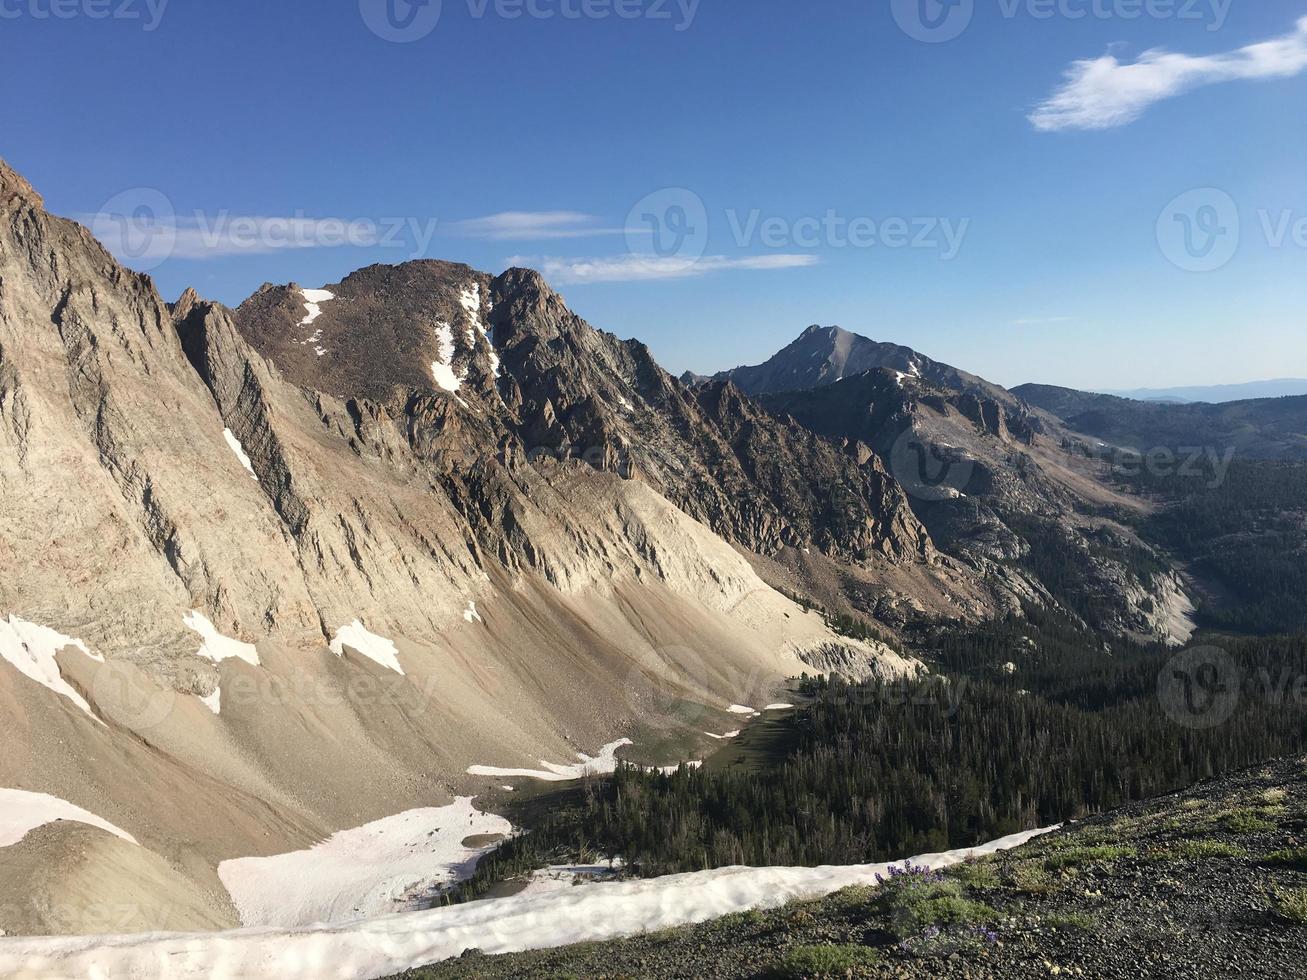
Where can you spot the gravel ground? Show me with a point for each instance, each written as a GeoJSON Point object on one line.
{"type": "Point", "coordinates": [1178, 887]}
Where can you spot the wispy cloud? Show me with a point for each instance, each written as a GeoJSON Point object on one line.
{"type": "Point", "coordinates": [1101, 93]}
{"type": "Point", "coordinates": [151, 237]}
{"type": "Point", "coordinates": [1040, 321]}
{"type": "Point", "coordinates": [642, 268]}
{"type": "Point", "coordinates": [527, 226]}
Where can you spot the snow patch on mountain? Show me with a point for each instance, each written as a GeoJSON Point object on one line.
{"type": "Point", "coordinates": [31, 648]}
{"type": "Point", "coordinates": [374, 647]}
{"type": "Point", "coordinates": [22, 812]}
{"type": "Point", "coordinates": [217, 647]}
{"type": "Point", "coordinates": [393, 944]}
{"type": "Point", "coordinates": [313, 300]}
{"type": "Point", "coordinates": [386, 866]}
{"type": "Point", "coordinates": [605, 762]}
{"type": "Point", "coordinates": [239, 450]}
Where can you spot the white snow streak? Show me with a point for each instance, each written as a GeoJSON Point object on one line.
{"type": "Point", "coordinates": [396, 943]}
{"type": "Point", "coordinates": [722, 738]}
{"type": "Point", "coordinates": [605, 762]}
{"type": "Point", "coordinates": [739, 709]}
{"type": "Point", "coordinates": [372, 646]}
{"type": "Point", "coordinates": [32, 648]}
{"type": "Point", "coordinates": [471, 614]}
{"type": "Point", "coordinates": [313, 300]}
{"type": "Point", "coordinates": [382, 867]}
{"type": "Point", "coordinates": [239, 450]}
{"type": "Point", "coordinates": [217, 647]}
{"type": "Point", "coordinates": [22, 812]}
{"type": "Point", "coordinates": [214, 701]}
{"type": "Point", "coordinates": [470, 299]}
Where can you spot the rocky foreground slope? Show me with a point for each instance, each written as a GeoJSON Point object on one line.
{"type": "Point", "coordinates": [1210, 882]}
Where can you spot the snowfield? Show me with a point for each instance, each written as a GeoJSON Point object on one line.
{"type": "Point", "coordinates": [31, 649]}
{"type": "Point", "coordinates": [382, 867]}
{"type": "Point", "coordinates": [394, 943]}
{"type": "Point", "coordinates": [217, 647]}
{"type": "Point", "coordinates": [376, 648]}
{"type": "Point", "coordinates": [602, 764]}
{"type": "Point", "coordinates": [22, 812]}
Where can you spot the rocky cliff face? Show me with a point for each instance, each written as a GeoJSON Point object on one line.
{"type": "Point", "coordinates": [512, 372]}
{"type": "Point", "coordinates": [274, 574]}
{"type": "Point", "coordinates": [989, 478]}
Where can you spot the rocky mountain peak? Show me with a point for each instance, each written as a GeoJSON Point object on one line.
{"type": "Point", "coordinates": [15, 189]}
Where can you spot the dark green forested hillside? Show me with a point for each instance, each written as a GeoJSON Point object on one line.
{"type": "Point", "coordinates": [878, 771]}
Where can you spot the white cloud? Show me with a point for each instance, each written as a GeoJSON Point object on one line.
{"type": "Point", "coordinates": [643, 268]}
{"type": "Point", "coordinates": [1102, 92]}
{"type": "Point", "coordinates": [155, 237]}
{"type": "Point", "coordinates": [1039, 321]}
{"type": "Point", "coordinates": [532, 226]}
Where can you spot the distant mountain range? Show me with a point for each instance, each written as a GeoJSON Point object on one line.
{"type": "Point", "coordinates": [1266, 428]}
{"type": "Point", "coordinates": [1276, 388]}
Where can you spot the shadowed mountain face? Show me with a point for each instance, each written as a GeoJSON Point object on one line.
{"type": "Point", "coordinates": [824, 355]}
{"type": "Point", "coordinates": [990, 478]}
{"type": "Point", "coordinates": [1261, 428]}
{"type": "Point", "coordinates": [509, 369]}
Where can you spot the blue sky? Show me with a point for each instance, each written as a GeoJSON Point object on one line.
{"type": "Point", "coordinates": [1034, 197]}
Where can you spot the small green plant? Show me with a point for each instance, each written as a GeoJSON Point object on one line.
{"type": "Point", "coordinates": [916, 901]}
{"type": "Point", "coordinates": [977, 875]}
{"type": "Point", "coordinates": [1071, 922]}
{"type": "Point", "coordinates": [1075, 857]}
{"type": "Point", "coordinates": [1294, 857]}
{"type": "Point", "coordinates": [807, 962]}
{"type": "Point", "coordinates": [1273, 797]}
{"type": "Point", "coordinates": [1031, 879]}
{"type": "Point", "coordinates": [1191, 805]}
{"type": "Point", "coordinates": [1245, 821]}
{"type": "Point", "coordinates": [1291, 904]}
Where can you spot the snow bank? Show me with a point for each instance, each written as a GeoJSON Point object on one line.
{"type": "Point", "coordinates": [376, 648]}
{"type": "Point", "coordinates": [22, 812]}
{"type": "Point", "coordinates": [313, 300]}
{"type": "Point", "coordinates": [471, 614]}
{"type": "Point", "coordinates": [379, 947]}
{"type": "Point", "coordinates": [239, 450]}
{"type": "Point", "coordinates": [442, 370]}
{"type": "Point", "coordinates": [382, 867]}
{"type": "Point", "coordinates": [217, 647]}
{"type": "Point", "coordinates": [32, 648]}
{"type": "Point", "coordinates": [739, 709]}
{"type": "Point", "coordinates": [605, 762]}
{"type": "Point", "coordinates": [470, 299]}
{"type": "Point", "coordinates": [779, 706]}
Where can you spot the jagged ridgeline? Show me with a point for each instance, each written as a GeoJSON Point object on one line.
{"type": "Point", "coordinates": [293, 568]}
